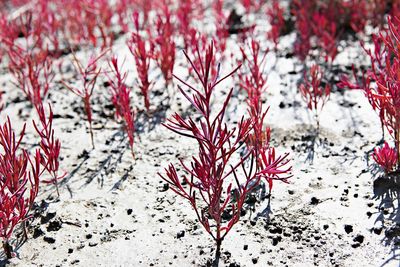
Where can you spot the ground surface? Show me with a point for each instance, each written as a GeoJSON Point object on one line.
{"type": "Point", "coordinates": [116, 211]}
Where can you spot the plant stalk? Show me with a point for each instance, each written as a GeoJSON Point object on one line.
{"type": "Point", "coordinates": [397, 141]}
{"type": "Point", "coordinates": [91, 134]}
{"type": "Point", "coordinates": [7, 249]}
{"type": "Point", "coordinates": [217, 253]}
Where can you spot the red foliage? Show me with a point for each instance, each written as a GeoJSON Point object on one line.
{"type": "Point", "coordinates": [255, 84]}
{"type": "Point", "coordinates": [50, 146]}
{"type": "Point", "coordinates": [221, 31]}
{"type": "Point", "coordinates": [164, 43]}
{"type": "Point", "coordinates": [88, 75]}
{"type": "Point", "coordinates": [386, 157]}
{"type": "Point", "coordinates": [313, 92]}
{"type": "Point", "coordinates": [121, 101]}
{"type": "Point", "coordinates": [187, 11]}
{"type": "Point", "coordinates": [32, 71]}
{"type": "Point", "coordinates": [251, 5]}
{"type": "Point", "coordinates": [143, 52]}
{"type": "Point", "coordinates": [276, 19]}
{"type": "Point", "coordinates": [209, 176]}
{"type": "Point", "coordinates": [381, 83]}
{"type": "Point", "coordinates": [322, 24]}
{"type": "Point", "coordinates": [19, 185]}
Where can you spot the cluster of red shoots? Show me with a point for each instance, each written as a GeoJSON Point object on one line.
{"type": "Point", "coordinates": [211, 175]}
{"type": "Point", "coordinates": [313, 92]}
{"type": "Point", "coordinates": [88, 76]}
{"type": "Point", "coordinates": [323, 24]}
{"type": "Point", "coordinates": [19, 183]}
{"type": "Point", "coordinates": [121, 101]}
{"type": "Point", "coordinates": [254, 81]}
{"type": "Point", "coordinates": [381, 85]}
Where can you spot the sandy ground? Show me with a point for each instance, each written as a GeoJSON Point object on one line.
{"type": "Point", "coordinates": [114, 211]}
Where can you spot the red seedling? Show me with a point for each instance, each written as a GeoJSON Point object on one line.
{"type": "Point", "coordinates": [313, 92]}
{"type": "Point", "coordinates": [33, 73]}
{"type": "Point", "coordinates": [142, 51]}
{"type": "Point", "coordinates": [187, 11]}
{"type": "Point", "coordinates": [222, 31]}
{"type": "Point", "coordinates": [88, 75]}
{"type": "Point", "coordinates": [121, 101]}
{"type": "Point", "coordinates": [276, 18]}
{"type": "Point", "coordinates": [19, 185]}
{"type": "Point", "coordinates": [210, 175]}
{"type": "Point", "coordinates": [386, 157]}
{"type": "Point", "coordinates": [50, 147]}
{"type": "Point", "coordinates": [254, 82]}
{"type": "Point", "coordinates": [381, 83]}
{"type": "Point", "coordinates": [164, 43]}
{"type": "Point", "coordinates": [251, 5]}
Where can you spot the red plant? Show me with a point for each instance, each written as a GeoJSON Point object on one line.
{"type": "Point", "coordinates": [313, 92]}
{"type": "Point", "coordinates": [254, 83]}
{"type": "Point", "coordinates": [121, 101]}
{"type": "Point", "coordinates": [50, 147]}
{"type": "Point", "coordinates": [142, 55]}
{"type": "Point", "coordinates": [323, 24]}
{"type": "Point", "coordinates": [325, 31]}
{"type": "Point", "coordinates": [32, 71]}
{"type": "Point", "coordinates": [88, 75]}
{"type": "Point", "coordinates": [386, 157]}
{"type": "Point", "coordinates": [381, 83]}
{"type": "Point", "coordinates": [251, 5]}
{"type": "Point", "coordinates": [16, 180]}
{"type": "Point", "coordinates": [187, 11]}
{"type": "Point", "coordinates": [276, 18]}
{"type": "Point", "coordinates": [209, 176]}
{"type": "Point", "coordinates": [164, 43]}
{"type": "Point", "coordinates": [222, 31]}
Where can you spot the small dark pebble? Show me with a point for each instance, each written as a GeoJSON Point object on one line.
{"type": "Point", "coordinates": [378, 230]}
{"type": "Point", "coordinates": [37, 232]}
{"type": "Point", "coordinates": [359, 239]}
{"type": "Point", "coordinates": [54, 226]}
{"type": "Point", "coordinates": [49, 240]}
{"type": "Point", "coordinates": [245, 247]}
{"type": "Point", "coordinates": [348, 228]}
{"type": "Point", "coordinates": [180, 234]}
{"type": "Point", "coordinates": [314, 201]}
{"type": "Point", "coordinates": [46, 218]}
{"type": "Point", "coordinates": [129, 211]}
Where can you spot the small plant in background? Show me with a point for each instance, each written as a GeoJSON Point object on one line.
{"type": "Point", "coordinates": [33, 73]}
{"type": "Point", "coordinates": [276, 19]}
{"type": "Point", "coordinates": [164, 43]}
{"type": "Point", "coordinates": [143, 52]}
{"type": "Point", "coordinates": [121, 101]}
{"type": "Point", "coordinates": [50, 147]}
{"type": "Point", "coordinates": [386, 157]}
{"type": "Point", "coordinates": [221, 29]}
{"type": "Point", "coordinates": [251, 5]}
{"type": "Point", "coordinates": [313, 91]}
{"type": "Point", "coordinates": [19, 184]}
{"type": "Point", "coordinates": [88, 75]}
{"type": "Point", "coordinates": [187, 11]}
{"type": "Point", "coordinates": [381, 83]}
{"type": "Point", "coordinates": [254, 82]}
{"type": "Point", "coordinates": [210, 175]}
